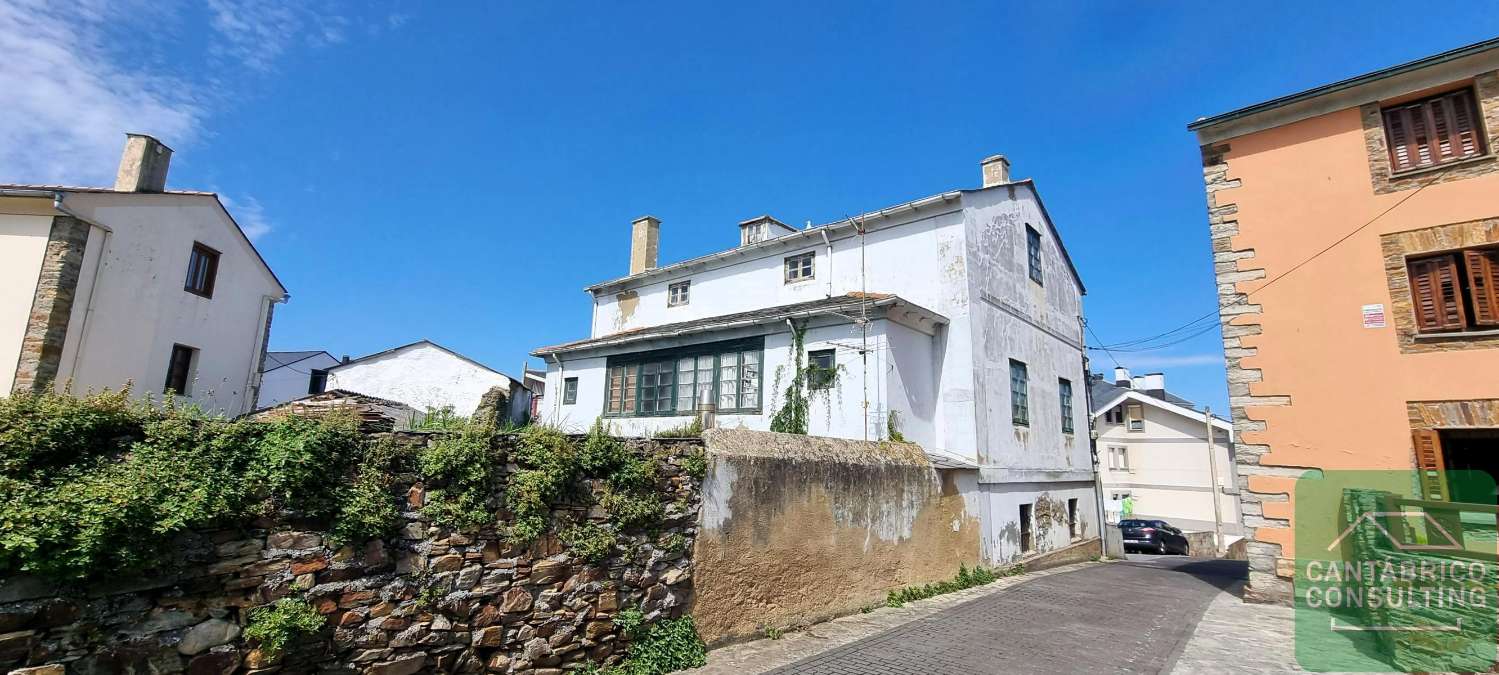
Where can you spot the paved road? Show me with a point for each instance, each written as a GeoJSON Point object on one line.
{"type": "Point", "coordinates": [1129, 617]}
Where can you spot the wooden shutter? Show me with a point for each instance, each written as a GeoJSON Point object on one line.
{"type": "Point", "coordinates": [1483, 285]}
{"type": "Point", "coordinates": [1437, 296]}
{"type": "Point", "coordinates": [1430, 465]}
{"type": "Point", "coordinates": [1433, 131]}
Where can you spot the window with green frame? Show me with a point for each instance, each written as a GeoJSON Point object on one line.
{"type": "Point", "coordinates": [674, 381]}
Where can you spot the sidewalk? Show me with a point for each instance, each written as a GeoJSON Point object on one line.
{"type": "Point", "coordinates": [1234, 636]}
{"type": "Point", "coordinates": [763, 655]}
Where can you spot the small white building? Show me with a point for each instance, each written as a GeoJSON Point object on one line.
{"type": "Point", "coordinates": [1153, 448]}
{"type": "Point", "coordinates": [135, 284]}
{"type": "Point", "coordinates": [953, 321]}
{"type": "Point", "coordinates": [292, 375]}
{"type": "Point", "coordinates": [428, 377]}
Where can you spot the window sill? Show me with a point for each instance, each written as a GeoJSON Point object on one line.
{"type": "Point", "coordinates": [1419, 171]}
{"type": "Point", "coordinates": [1457, 335]}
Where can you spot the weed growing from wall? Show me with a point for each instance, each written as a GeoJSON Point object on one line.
{"type": "Point", "coordinates": [967, 578]}
{"type": "Point", "coordinates": [464, 468]}
{"type": "Point", "coordinates": [278, 625]}
{"type": "Point", "coordinates": [892, 427]}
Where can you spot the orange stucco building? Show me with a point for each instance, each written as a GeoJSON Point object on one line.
{"type": "Point", "coordinates": [1355, 232]}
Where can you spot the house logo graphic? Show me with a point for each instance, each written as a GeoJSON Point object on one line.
{"type": "Point", "coordinates": [1373, 517]}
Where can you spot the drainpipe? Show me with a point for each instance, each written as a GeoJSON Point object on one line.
{"type": "Point", "coordinates": [557, 395]}
{"type": "Point", "coordinates": [93, 286]}
{"type": "Point", "coordinates": [829, 243]}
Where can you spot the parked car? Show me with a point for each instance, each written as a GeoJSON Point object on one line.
{"type": "Point", "coordinates": [1153, 536]}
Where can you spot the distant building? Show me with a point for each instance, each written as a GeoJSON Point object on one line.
{"type": "Point", "coordinates": [293, 375]}
{"type": "Point", "coordinates": [1153, 447]}
{"type": "Point", "coordinates": [1355, 237]}
{"type": "Point", "coordinates": [952, 321]}
{"type": "Point", "coordinates": [138, 284]}
{"type": "Point", "coordinates": [536, 381]}
{"type": "Point", "coordinates": [428, 376]}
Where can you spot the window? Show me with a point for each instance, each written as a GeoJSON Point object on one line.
{"type": "Point", "coordinates": [1020, 411]}
{"type": "Point", "coordinates": [821, 370]}
{"type": "Point", "coordinates": [673, 382]}
{"type": "Point", "coordinates": [1064, 387]}
{"type": "Point", "coordinates": [202, 268]}
{"type": "Point", "coordinates": [1136, 414]}
{"type": "Point", "coordinates": [1033, 252]}
{"type": "Point", "coordinates": [752, 234]}
{"type": "Point", "coordinates": [1456, 291]}
{"type": "Point", "coordinates": [1431, 131]}
{"type": "Point", "coordinates": [318, 383]}
{"type": "Point", "coordinates": [1072, 517]}
{"type": "Point", "coordinates": [678, 293]}
{"type": "Point", "coordinates": [1118, 458]}
{"type": "Point", "coordinates": [799, 267]}
{"type": "Point", "coordinates": [1026, 539]}
{"type": "Point", "coordinates": [179, 369]}
{"type": "Point", "coordinates": [569, 390]}
{"type": "Point", "coordinates": [1115, 415]}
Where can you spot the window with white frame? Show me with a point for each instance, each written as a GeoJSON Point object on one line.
{"type": "Point", "coordinates": [1135, 413]}
{"type": "Point", "coordinates": [678, 293]}
{"type": "Point", "coordinates": [1118, 458]}
{"type": "Point", "coordinates": [799, 267]}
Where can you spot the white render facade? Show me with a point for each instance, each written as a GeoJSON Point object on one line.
{"type": "Point", "coordinates": [288, 376]}
{"type": "Point", "coordinates": [95, 289]}
{"type": "Point", "coordinates": [952, 309]}
{"type": "Point", "coordinates": [427, 376]}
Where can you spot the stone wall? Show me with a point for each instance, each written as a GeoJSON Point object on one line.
{"type": "Point", "coordinates": [425, 600]}
{"type": "Point", "coordinates": [799, 529]}
{"type": "Point", "coordinates": [52, 305]}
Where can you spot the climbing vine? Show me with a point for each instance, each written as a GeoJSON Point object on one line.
{"type": "Point", "coordinates": [792, 416]}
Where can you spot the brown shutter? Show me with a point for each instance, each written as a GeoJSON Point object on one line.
{"type": "Point", "coordinates": [1483, 285]}
{"type": "Point", "coordinates": [1430, 466]}
{"type": "Point", "coordinates": [1435, 291]}
{"type": "Point", "coordinates": [1465, 136]}
{"type": "Point", "coordinates": [1395, 123]}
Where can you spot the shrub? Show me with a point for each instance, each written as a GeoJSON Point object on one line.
{"type": "Point", "coordinates": [275, 626]}
{"type": "Point", "coordinates": [45, 432]}
{"type": "Point", "coordinates": [692, 429]}
{"type": "Point", "coordinates": [695, 463]}
{"type": "Point", "coordinates": [666, 646]}
{"type": "Point", "coordinates": [464, 470]}
{"type": "Point", "coordinates": [297, 456]}
{"type": "Point", "coordinates": [966, 578]}
{"type": "Point", "coordinates": [589, 541]}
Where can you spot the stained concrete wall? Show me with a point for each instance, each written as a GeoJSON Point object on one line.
{"type": "Point", "coordinates": [798, 529]}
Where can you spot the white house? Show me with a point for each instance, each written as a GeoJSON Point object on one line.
{"type": "Point", "coordinates": [292, 375]}
{"type": "Point", "coordinates": [1153, 448]}
{"type": "Point", "coordinates": [427, 376]}
{"type": "Point", "coordinates": [138, 284]}
{"type": "Point", "coordinates": [952, 320]}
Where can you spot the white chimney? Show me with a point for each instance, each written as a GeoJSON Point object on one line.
{"type": "Point", "coordinates": [1121, 377]}
{"type": "Point", "coordinates": [1152, 383]}
{"type": "Point", "coordinates": [143, 166]}
{"type": "Point", "coordinates": [645, 243]}
{"type": "Point", "coordinates": [996, 170]}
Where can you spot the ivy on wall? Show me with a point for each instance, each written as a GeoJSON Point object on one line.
{"type": "Point", "coordinates": [792, 416]}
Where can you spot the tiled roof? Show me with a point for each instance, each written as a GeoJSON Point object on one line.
{"type": "Point", "coordinates": [77, 188]}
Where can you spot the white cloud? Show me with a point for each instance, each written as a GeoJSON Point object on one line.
{"type": "Point", "coordinates": [1169, 360]}
{"type": "Point", "coordinates": [257, 33]}
{"type": "Point", "coordinates": [250, 215]}
{"type": "Point", "coordinates": [68, 103]}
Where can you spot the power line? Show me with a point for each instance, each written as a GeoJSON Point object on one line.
{"type": "Point", "coordinates": [1135, 345]}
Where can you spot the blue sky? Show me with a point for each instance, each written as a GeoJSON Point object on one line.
{"type": "Point", "coordinates": [460, 171]}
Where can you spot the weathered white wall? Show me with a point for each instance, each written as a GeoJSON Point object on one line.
{"type": "Point", "coordinates": [291, 381]}
{"type": "Point", "coordinates": [23, 240]}
{"type": "Point", "coordinates": [421, 376]}
{"type": "Point", "coordinates": [1169, 469]}
{"type": "Point", "coordinates": [127, 317]}
{"type": "Point", "coordinates": [1001, 509]}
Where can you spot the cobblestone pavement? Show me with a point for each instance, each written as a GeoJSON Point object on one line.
{"type": "Point", "coordinates": [1132, 617]}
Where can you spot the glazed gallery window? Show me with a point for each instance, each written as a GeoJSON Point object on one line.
{"type": "Point", "coordinates": [673, 382]}
{"type": "Point", "coordinates": [1456, 291]}
{"type": "Point", "coordinates": [821, 369]}
{"type": "Point", "coordinates": [1065, 387]}
{"type": "Point", "coordinates": [1020, 408]}
{"type": "Point", "coordinates": [202, 269]}
{"type": "Point", "coordinates": [678, 293]}
{"type": "Point", "coordinates": [799, 267]}
{"type": "Point", "coordinates": [1033, 253]}
{"type": "Point", "coordinates": [1433, 131]}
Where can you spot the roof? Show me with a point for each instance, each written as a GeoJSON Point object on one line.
{"type": "Point", "coordinates": [815, 233]}
{"type": "Point", "coordinates": [274, 360]}
{"type": "Point", "coordinates": [1103, 395]}
{"type": "Point", "coordinates": [171, 193]}
{"type": "Point", "coordinates": [1349, 83]}
{"type": "Point", "coordinates": [409, 345]}
{"type": "Point", "coordinates": [847, 306]}
{"type": "Point", "coordinates": [374, 413]}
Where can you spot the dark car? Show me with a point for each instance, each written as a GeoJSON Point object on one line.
{"type": "Point", "coordinates": [1153, 536]}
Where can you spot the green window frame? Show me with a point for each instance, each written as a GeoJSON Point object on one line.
{"type": "Point", "coordinates": [671, 382]}
{"type": "Point", "coordinates": [1033, 253]}
{"type": "Point", "coordinates": [1064, 389]}
{"type": "Point", "coordinates": [1020, 409]}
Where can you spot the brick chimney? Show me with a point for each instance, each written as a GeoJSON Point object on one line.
{"type": "Point", "coordinates": [996, 170]}
{"type": "Point", "coordinates": [645, 243]}
{"type": "Point", "coordinates": [143, 167]}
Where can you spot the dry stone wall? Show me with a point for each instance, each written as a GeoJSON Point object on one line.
{"type": "Point", "coordinates": [426, 600]}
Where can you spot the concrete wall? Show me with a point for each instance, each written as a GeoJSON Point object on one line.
{"type": "Point", "coordinates": [292, 380]}
{"type": "Point", "coordinates": [421, 376]}
{"type": "Point", "coordinates": [1168, 472]}
{"type": "Point", "coordinates": [130, 307]}
{"type": "Point", "coordinates": [795, 529]}
{"type": "Point", "coordinates": [1000, 505]}
{"type": "Point", "coordinates": [23, 239]}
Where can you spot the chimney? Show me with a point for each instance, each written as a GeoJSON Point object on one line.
{"type": "Point", "coordinates": [1153, 384]}
{"type": "Point", "coordinates": [645, 243]}
{"type": "Point", "coordinates": [1122, 379]}
{"type": "Point", "coordinates": [143, 167]}
{"type": "Point", "coordinates": [996, 170]}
